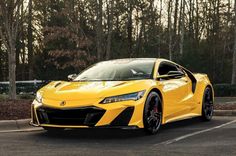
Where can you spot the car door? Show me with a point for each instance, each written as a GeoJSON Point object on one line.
{"type": "Point", "coordinates": [176, 92]}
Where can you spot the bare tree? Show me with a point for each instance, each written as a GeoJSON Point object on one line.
{"type": "Point", "coordinates": [10, 14]}
{"type": "Point", "coordinates": [30, 40]}
{"type": "Point", "coordinates": [176, 16]}
{"type": "Point", "coordinates": [234, 53]}
{"type": "Point", "coordinates": [99, 29]}
{"type": "Point", "coordinates": [110, 28]}
{"type": "Point", "coordinates": [159, 32]}
{"type": "Point", "coordinates": [197, 23]}
{"type": "Point", "coordinates": [130, 26]}
{"type": "Point", "coordinates": [170, 28]}
{"type": "Point", "coordinates": [181, 44]}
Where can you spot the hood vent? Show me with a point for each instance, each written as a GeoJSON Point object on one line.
{"type": "Point", "coordinates": [56, 85]}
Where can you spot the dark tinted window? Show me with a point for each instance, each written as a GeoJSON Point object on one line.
{"type": "Point", "coordinates": [165, 67]}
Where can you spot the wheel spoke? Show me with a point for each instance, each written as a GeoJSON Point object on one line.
{"type": "Point", "coordinates": [149, 119]}
{"type": "Point", "coordinates": [154, 119]}
{"type": "Point", "coordinates": [157, 115]}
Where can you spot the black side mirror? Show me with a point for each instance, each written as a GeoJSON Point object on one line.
{"type": "Point", "coordinates": [71, 77]}
{"type": "Point", "coordinates": [175, 74]}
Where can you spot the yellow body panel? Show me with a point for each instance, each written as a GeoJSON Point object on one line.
{"type": "Point", "coordinates": [178, 100]}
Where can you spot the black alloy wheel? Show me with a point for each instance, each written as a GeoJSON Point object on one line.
{"type": "Point", "coordinates": [207, 105]}
{"type": "Point", "coordinates": [152, 115]}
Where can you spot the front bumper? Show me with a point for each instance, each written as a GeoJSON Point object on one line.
{"type": "Point", "coordinates": [117, 115]}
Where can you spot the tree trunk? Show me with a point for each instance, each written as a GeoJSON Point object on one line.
{"type": "Point", "coordinates": [176, 16]}
{"type": "Point", "coordinates": [159, 32]}
{"type": "Point", "coordinates": [170, 29]}
{"type": "Point", "coordinates": [130, 28]}
{"type": "Point", "coordinates": [1, 58]}
{"type": "Point", "coordinates": [23, 75]}
{"type": "Point", "coordinates": [30, 41]}
{"type": "Point", "coordinates": [140, 33]}
{"type": "Point", "coordinates": [197, 38]}
{"type": "Point", "coordinates": [182, 28]}
{"type": "Point", "coordinates": [110, 29]}
{"type": "Point", "coordinates": [234, 53]}
{"type": "Point", "coordinates": [191, 2]}
{"type": "Point", "coordinates": [99, 30]}
{"type": "Point", "coordinates": [10, 11]}
{"type": "Point", "coordinates": [12, 70]}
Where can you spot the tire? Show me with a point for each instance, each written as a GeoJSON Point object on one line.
{"type": "Point", "coordinates": [207, 105]}
{"type": "Point", "coordinates": [53, 129]}
{"type": "Point", "coordinates": [152, 115]}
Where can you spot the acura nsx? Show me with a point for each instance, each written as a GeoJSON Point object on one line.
{"type": "Point", "coordinates": [124, 93]}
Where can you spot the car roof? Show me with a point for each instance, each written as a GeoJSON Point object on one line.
{"type": "Point", "coordinates": [141, 59]}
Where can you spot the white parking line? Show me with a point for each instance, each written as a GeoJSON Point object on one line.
{"type": "Point", "coordinates": [21, 130]}
{"type": "Point", "coordinates": [194, 133]}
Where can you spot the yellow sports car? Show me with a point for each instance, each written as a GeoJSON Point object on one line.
{"type": "Point", "coordinates": [124, 93]}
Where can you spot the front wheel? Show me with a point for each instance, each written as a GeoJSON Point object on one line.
{"type": "Point", "coordinates": [207, 104]}
{"type": "Point", "coordinates": [152, 115]}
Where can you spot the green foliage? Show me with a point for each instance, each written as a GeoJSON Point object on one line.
{"type": "Point", "coordinates": [65, 48]}
{"type": "Point", "coordinates": [225, 90]}
{"type": "Point", "coordinates": [21, 96]}
{"type": "Point", "coordinates": [3, 97]}
{"type": "Point", "coordinates": [22, 88]}
{"type": "Point", "coordinates": [65, 38]}
{"type": "Point", "coordinates": [25, 96]}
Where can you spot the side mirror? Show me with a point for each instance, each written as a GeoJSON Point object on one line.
{"type": "Point", "coordinates": [71, 77]}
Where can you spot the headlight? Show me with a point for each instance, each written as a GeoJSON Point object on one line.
{"type": "Point", "coordinates": [38, 97]}
{"type": "Point", "coordinates": [125, 97]}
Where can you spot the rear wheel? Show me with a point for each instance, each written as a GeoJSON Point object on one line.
{"type": "Point", "coordinates": [152, 115]}
{"type": "Point", "coordinates": [207, 104]}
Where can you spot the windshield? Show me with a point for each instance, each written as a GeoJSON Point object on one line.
{"type": "Point", "coordinates": [118, 70]}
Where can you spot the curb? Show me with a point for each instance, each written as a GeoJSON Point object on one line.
{"type": "Point", "coordinates": [224, 112]}
{"type": "Point", "coordinates": [14, 124]}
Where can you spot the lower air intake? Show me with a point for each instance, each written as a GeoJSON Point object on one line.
{"type": "Point", "coordinates": [84, 116]}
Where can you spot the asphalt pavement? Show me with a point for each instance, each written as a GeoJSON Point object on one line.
{"type": "Point", "coordinates": [188, 137]}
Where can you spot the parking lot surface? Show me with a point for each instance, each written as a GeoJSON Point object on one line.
{"type": "Point", "coordinates": [188, 137]}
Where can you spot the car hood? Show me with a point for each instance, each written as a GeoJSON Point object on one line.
{"type": "Point", "coordinates": [63, 90]}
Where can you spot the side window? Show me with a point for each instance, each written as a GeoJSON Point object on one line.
{"type": "Point", "coordinates": [165, 67]}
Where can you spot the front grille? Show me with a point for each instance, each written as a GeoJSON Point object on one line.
{"type": "Point", "coordinates": [84, 116]}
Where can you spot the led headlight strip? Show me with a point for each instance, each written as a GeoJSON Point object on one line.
{"type": "Point", "coordinates": [125, 97]}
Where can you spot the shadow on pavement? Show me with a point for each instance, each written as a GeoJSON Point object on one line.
{"type": "Point", "coordinates": [117, 134]}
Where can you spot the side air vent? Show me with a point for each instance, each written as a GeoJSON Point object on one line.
{"type": "Point", "coordinates": [123, 118]}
